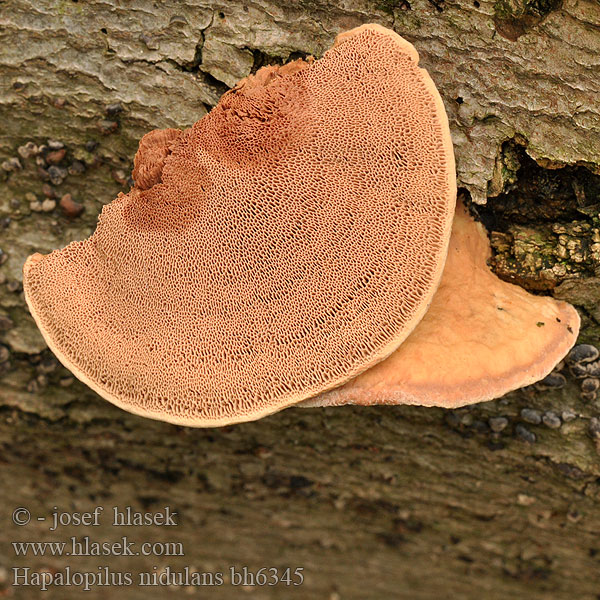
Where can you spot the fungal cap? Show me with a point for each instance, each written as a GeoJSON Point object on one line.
{"type": "Point", "coordinates": [481, 337]}
{"type": "Point", "coordinates": [279, 247]}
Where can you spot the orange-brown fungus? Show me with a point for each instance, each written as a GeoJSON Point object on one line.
{"type": "Point", "coordinates": [480, 338]}
{"type": "Point", "coordinates": [289, 240]}
{"type": "Point", "coordinates": [151, 156]}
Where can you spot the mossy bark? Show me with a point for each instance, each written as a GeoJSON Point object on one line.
{"type": "Point", "coordinates": [382, 502]}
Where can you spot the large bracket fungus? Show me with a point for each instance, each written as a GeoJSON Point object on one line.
{"type": "Point", "coordinates": [288, 241]}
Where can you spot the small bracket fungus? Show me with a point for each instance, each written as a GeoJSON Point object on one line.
{"type": "Point", "coordinates": [480, 338]}
{"type": "Point", "coordinates": [151, 156]}
{"type": "Point", "coordinates": [289, 240]}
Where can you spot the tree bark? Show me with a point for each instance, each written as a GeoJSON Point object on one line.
{"type": "Point", "coordinates": [501, 499]}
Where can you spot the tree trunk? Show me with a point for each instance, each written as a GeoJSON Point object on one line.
{"type": "Point", "coordinates": [497, 500]}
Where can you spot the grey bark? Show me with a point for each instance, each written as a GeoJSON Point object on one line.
{"type": "Point", "coordinates": [389, 502]}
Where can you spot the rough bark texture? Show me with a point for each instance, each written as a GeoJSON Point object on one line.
{"type": "Point", "coordinates": [376, 503]}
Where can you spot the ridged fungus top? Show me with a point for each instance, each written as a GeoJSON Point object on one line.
{"type": "Point", "coordinates": [289, 240]}
{"type": "Point", "coordinates": [481, 337]}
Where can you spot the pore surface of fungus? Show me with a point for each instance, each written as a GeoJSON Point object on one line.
{"type": "Point", "coordinates": [289, 240]}
{"type": "Point", "coordinates": [480, 338]}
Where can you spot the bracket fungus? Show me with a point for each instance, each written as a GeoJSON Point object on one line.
{"type": "Point", "coordinates": [288, 241]}
{"type": "Point", "coordinates": [480, 338]}
{"type": "Point", "coordinates": [288, 249]}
